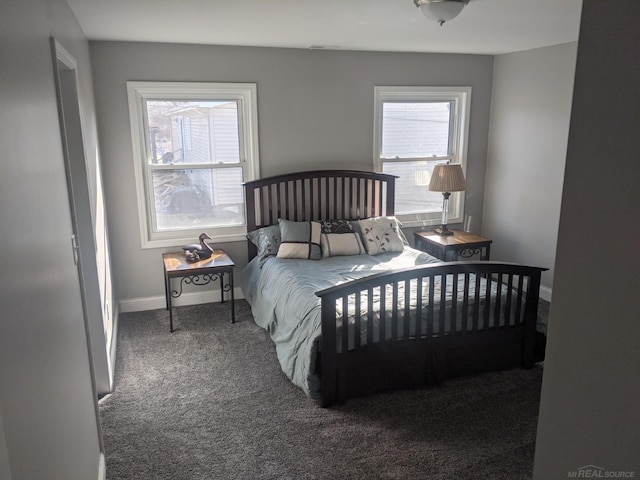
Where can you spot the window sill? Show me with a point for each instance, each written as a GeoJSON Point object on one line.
{"type": "Point", "coordinates": [180, 241]}
{"type": "Point", "coordinates": [410, 221]}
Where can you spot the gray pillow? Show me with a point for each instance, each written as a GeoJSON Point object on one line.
{"type": "Point", "coordinates": [267, 239]}
{"type": "Point", "coordinates": [299, 240]}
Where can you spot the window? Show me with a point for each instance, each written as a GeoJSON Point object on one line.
{"type": "Point", "coordinates": [194, 145]}
{"type": "Point", "coordinates": [417, 128]}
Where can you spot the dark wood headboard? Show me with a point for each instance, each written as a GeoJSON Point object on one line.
{"type": "Point", "coordinates": [318, 195]}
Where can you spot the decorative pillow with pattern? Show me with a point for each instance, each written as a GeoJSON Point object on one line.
{"type": "Point", "coordinates": [334, 244]}
{"type": "Point", "coordinates": [299, 240]}
{"type": "Point", "coordinates": [382, 235]}
{"type": "Point", "coordinates": [336, 226]}
{"type": "Point", "coordinates": [267, 239]}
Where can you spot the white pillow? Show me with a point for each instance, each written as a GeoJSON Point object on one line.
{"type": "Point", "coordinates": [334, 244]}
{"type": "Point", "coordinates": [382, 235]}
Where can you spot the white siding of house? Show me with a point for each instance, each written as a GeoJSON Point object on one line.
{"type": "Point", "coordinates": [228, 186]}
{"type": "Point", "coordinates": [200, 144]}
{"type": "Point", "coordinates": [224, 125]}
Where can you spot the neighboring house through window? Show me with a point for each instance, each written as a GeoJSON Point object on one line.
{"type": "Point", "coordinates": [194, 145]}
{"type": "Point", "coordinates": [417, 128]}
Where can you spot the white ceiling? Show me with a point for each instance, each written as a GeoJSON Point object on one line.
{"type": "Point", "coordinates": [483, 27]}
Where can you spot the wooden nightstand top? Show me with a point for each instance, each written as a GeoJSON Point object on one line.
{"type": "Point", "coordinates": [459, 237]}
{"type": "Point", "coordinates": [176, 262]}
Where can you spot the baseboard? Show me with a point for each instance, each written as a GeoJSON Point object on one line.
{"type": "Point", "coordinates": [545, 293]}
{"type": "Point", "coordinates": [113, 347]}
{"type": "Point", "coordinates": [102, 469]}
{"type": "Point", "coordinates": [158, 301]}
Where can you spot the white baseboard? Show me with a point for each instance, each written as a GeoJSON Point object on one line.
{"type": "Point", "coordinates": [102, 469]}
{"type": "Point", "coordinates": [113, 347]}
{"type": "Point", "coordinates": [158, 301]}
{"type": "Point", "coordinates": [545, 293]}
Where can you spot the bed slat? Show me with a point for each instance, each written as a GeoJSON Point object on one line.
{"type": "Point", "coordinates": [419, 295]}
{"type": "Point", "coordinates": [442, 305]}
{"type": "Point", "coordinates": [465, 303]}
{"type": "Point", "coordinates": [454, 304]}
{"type": "Point", "coordinates": [345, 325]}
{"type": "Point", "coordinates": [430, 314]}
{"type": "Point", "coordinates": [370, 312]}
{"type": "Point", "coordinates": [394, 314]}
{"type": "Point", "coordinates": [497, 303]}
{"type": "Point", "coordinates": [406, 316]}
{"type": "Point", "coordinates": [508, 314]}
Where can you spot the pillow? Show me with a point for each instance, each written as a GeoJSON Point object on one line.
{"type": "Point", "coordinates": [381, 235]}
{"type": "Point", "coordinates": [267, 239]}
{"type": "Point", "coordinates": [299, 240]}
{"type": "Point", "coordinates": [336, 226]}
{"type": "Point", "coordinates": [334, 244]}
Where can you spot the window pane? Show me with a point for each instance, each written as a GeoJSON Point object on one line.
{"type": "Point", "coordinates": [193, 132]}
{"type": "Point", "coordinates": [414, 130]}
{"type": "Point", "coordinates": [412, 188]}
{"type": "Point", "coordinates": [198, 198]}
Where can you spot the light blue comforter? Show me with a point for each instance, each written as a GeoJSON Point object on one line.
{"type": "Point", "coordinates": [283, 302]}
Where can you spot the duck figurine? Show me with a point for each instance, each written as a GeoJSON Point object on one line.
{"type": "Point", "coordinates": [201, 251]}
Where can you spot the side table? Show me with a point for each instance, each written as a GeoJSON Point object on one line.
{"type": "Point", "coordinates": [198, 273]}
{"type": "Point", "coordinates": [451, 248]}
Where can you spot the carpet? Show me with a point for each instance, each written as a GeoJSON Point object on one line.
{"type": "Point", "coordinates": [210, 402]}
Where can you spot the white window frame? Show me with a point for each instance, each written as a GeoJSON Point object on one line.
{"type": "Point", "coordinates": [138, 93]}
{"type": "Point", "coordinates": [460, 98]}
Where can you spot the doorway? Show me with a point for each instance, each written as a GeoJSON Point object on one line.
{"type": "Point", "coordinates": [83, 240]}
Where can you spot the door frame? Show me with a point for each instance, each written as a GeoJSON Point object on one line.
{"type": "Point", "coordinates": [82, 240]}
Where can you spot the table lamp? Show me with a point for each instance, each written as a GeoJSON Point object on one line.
{"type": "Point", "coordinates": [446, 178]}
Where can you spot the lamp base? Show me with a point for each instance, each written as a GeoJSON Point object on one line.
{"type": "Point", "coordinates": [443, 231]}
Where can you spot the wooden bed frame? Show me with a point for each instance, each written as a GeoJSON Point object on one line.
{"type": "Point", "coordinates": [502, 333]}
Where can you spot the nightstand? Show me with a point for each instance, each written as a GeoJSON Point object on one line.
{"type": "Point", "coordinates": [451, 248]}
{"type": "Point", "coordinates": [199, 273]}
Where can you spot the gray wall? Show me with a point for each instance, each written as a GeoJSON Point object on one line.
{"type": "Point", "coordinates": [589, 413]}
{"type": "Point", "coordinates": [5, 469]}
{"type": "Point", "coordinates": [530, 111]}
{"type": "Point", "coordinates": [315, 110]}
{"type": "Point", "coordinates": [46, 396]}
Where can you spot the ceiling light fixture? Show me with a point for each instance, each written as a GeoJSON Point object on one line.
{"type": "Point", "coordinates": [441, 10]}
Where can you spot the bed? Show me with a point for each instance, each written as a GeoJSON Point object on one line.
{"type": "Point", "coordinates": [351, 325]}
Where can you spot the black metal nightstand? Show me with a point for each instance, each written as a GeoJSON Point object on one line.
{"type": "Point", "coordinates": [451, 248]}
{"type": "Point", "coordinates": [198, 273]}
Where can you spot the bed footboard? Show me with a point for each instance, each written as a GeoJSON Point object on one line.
{"type": "Point", "coordinates": [405, 328]}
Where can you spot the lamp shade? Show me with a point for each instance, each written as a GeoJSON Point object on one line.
{"type": "Point", "coordinates": [447, 178]}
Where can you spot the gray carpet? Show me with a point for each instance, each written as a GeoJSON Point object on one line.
{"type": "Point", "coordinates": [210, 402]}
